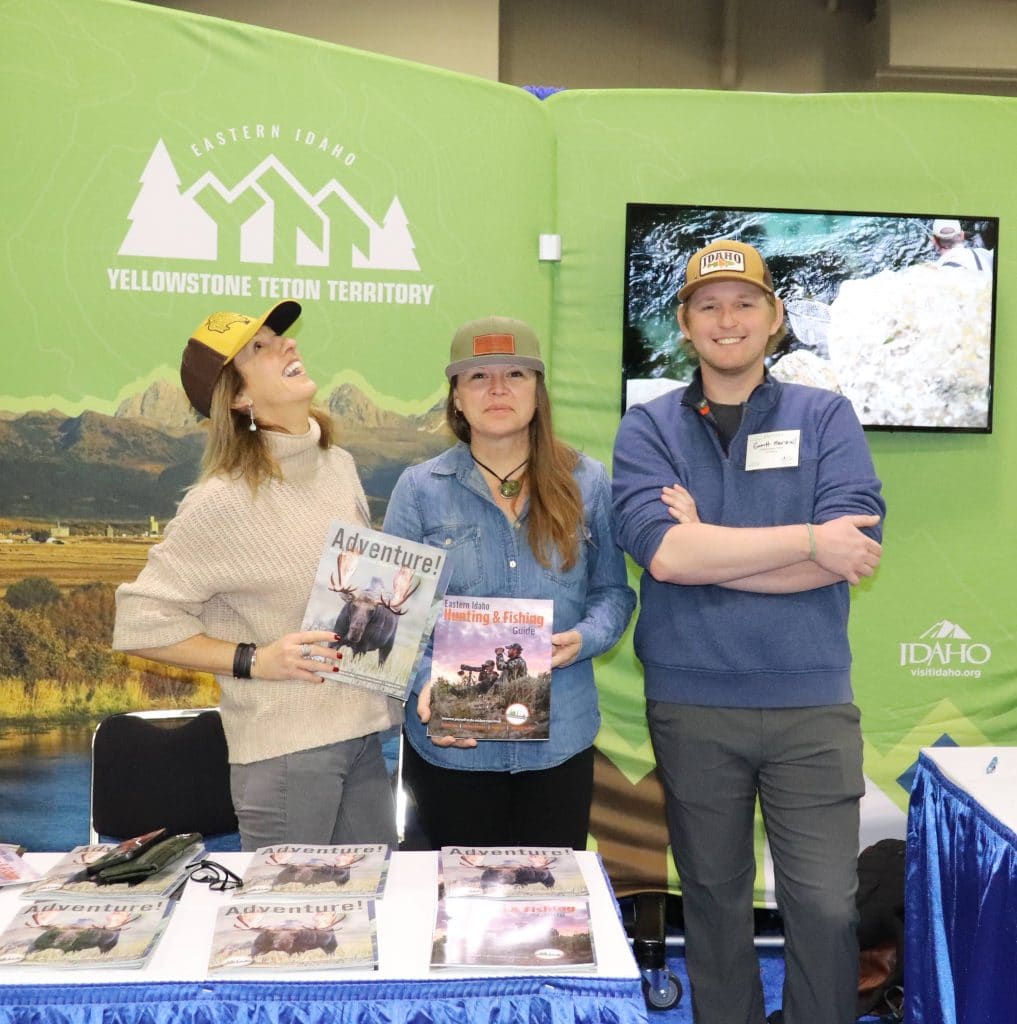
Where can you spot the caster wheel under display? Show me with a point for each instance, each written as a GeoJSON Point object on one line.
{"type": "Point", "coordinates": [665, 996]}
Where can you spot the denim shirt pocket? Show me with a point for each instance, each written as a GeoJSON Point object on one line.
{"type": "Point", "coordinates": [569, 580]}
{"type": "Point", "coordinates": [461, 544]}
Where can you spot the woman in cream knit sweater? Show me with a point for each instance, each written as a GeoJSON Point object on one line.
{"type": "Point", "coordinates": [225, 591]}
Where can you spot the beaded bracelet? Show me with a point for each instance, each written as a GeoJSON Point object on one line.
{"type": "Point", "coordinates": [243, 660]}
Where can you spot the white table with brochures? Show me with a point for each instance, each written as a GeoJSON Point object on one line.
{"type": "Point", "coordinates": [175, 985]}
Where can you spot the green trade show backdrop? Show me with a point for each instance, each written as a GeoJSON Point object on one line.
{"type": "Point", "coordinates": [160, 166]}
{"type": "Point", "coordinates": [164, 165]}
{"type": "Point", "coordinates": [935, 651]}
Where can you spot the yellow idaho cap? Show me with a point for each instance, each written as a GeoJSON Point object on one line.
{"type": "Point", "coordinates": [726, 261]}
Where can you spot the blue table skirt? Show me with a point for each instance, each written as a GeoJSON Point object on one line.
{"type": "Point", "coordinates": [515, 1000]}
{"type": "Point", "coordinates": [960, 962]}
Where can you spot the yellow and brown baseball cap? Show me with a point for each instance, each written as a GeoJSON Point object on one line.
{"type": "Point", "coordinates": [217, 339]}
{"type": "Point", "coordinates": [494, 339]}
{"type": "Point", "coordinates": [725, 261]}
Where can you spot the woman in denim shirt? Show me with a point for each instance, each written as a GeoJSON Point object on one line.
{"type": "Point", "coordinates": [520, 515]}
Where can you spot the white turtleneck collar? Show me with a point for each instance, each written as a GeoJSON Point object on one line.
{"type": "Point", "coordinates": [296, 454]}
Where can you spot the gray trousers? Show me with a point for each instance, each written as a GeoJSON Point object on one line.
{"type": "Point", "coordinates": [805, 766]}
{"type": "Point", "coordinates": [339, 793]}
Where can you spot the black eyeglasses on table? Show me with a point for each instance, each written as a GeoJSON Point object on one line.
{"type": "Point", "coordinates": [213, 874]}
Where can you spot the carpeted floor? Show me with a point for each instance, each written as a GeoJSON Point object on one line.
{"type": "Point", "coordinates": [771, 967]}
{"type": "Point", "coordinates": [767, 929]}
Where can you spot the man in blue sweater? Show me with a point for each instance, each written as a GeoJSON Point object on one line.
{"type": "Point", "coordinates": [752, 506]}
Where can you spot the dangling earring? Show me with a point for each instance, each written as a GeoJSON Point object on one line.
{"type": "Point", "coordinates": [250, 409]}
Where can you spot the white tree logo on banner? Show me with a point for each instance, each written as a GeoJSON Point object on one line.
{"type": "Point", "coordinates": [944, 649]}
{"type": "Point", "coordinates": [174, 223]}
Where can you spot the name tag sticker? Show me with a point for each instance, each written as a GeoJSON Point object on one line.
{"type": "Point", "coordinates": [776, 450]}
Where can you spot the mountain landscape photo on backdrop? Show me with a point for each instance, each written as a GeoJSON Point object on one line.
{"type": "Point", "coordinates": [85, 498]}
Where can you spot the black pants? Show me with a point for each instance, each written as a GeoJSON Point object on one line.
{"type": "Point", "coordinates": [547, 807]}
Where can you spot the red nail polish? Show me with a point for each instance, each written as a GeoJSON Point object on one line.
{"type": "Point", "coordinates": [335, 668]}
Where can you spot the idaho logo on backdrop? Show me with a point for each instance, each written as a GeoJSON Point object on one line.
{"type": "Point", "coordinates": [265, 215]}
{"type": "Point", "coordinates": [945, 649]}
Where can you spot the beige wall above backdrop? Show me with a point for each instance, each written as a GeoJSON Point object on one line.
{"type": "Point", "coordinates": [963, 46]}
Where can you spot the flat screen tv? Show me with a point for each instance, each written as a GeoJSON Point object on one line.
{"type": "Point", "coordinates": [879, 306]}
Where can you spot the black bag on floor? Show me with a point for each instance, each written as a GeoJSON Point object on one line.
{"type": "Point", "coordinates": [880, 902]}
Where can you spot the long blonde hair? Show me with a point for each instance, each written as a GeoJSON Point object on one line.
{"type": "Point", "coordinates": [555, 518]}
{"type": "Point", "coordinates": [232, 449]}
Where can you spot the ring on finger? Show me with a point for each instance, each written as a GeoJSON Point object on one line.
{"type": "Point", "coordinates": [305, 650]}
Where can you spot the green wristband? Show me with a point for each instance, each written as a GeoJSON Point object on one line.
{"type": "Point", "coordinates": [812, 542]}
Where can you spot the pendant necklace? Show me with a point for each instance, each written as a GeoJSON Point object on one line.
{"type": "Point", "coordinates": [509, 488]}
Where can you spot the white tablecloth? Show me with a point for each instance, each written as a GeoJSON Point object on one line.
{"type": "Point", "coordinates": [405, 919]}
{"type": "Point", "coordinates": [995, 790]}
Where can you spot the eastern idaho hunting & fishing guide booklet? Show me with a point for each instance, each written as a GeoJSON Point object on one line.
{"type": "Point", "coordinates": [491, 669]}
{"type": "Point", "coordinates": [380, 594]}
{"type": "Point", "coordinates": [538, 935]}
{"type": "Point", "coordinates": [296, 935]}
{"type": "Point", "coordinates": [522, 907]}
{"type": "Point", "coordinates": [294, 870]}
{"type": "Point", "coordinates": [84, 931]}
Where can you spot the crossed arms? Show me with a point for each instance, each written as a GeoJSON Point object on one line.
{"type": "Point", "coordinates": [659, 465]}
{"type": "Point", "coordinates": [765, 560]}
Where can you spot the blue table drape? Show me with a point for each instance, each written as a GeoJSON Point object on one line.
{"type": "Point", "coordinates": [516, 1000]}
{"type": "Point", "coordinates": [960, 963]}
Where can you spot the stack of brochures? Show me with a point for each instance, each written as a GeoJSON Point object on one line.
{"type": "Point", "coordinates": [13, 868]}
{"type": "Point", "coordinates": [74, 919]}
{"type": "Point", "coordinates": [70, 877]}
{"type": "Point", "coordinates": [303, 908]}
{"type": "Point", "coordinates": [519, 908]}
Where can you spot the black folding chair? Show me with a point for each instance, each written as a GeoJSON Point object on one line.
{"type": "Point", "coordinates": [162, 769]}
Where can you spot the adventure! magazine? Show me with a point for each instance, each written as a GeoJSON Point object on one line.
{"type": "Point", "coordinates": [309, 936]}
{"type": "Point", "coordinates": [83, 932]}
{"type": "Point", "coordinates": [378, 593]}
{"type": "Point", "coordinates": [294, 870]}
{"type": "Point", "coordinates": [516, 872]}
